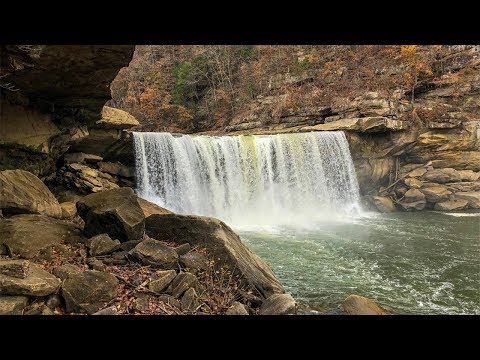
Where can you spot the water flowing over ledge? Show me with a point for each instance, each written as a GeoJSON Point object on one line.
{"type": "Point", "coordinates": [284, 179]}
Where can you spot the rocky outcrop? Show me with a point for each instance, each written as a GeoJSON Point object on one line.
{"type": "Point", "coordinates": [359, 305]}
{"type": "Point", "coordinates": [382, 203]}
{"type": "Point", "coordinates": [114, 212]}
{"type": "Point", "coordinates": [150, 208]}
{"type": "Point", "coordinates": [116, 119]}
{"type": "Point", "coordinates": [373, 124]}
{"type": "Point", "coordinates": [223, 244]}
{"type": "Point", "coordinates": [27, 235]}
{"type": "Point", "coordinates": [41, 121]}
{"type": "Point", "coordinates": [23, 192]}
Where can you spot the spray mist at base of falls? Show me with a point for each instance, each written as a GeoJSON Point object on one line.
{"type": "Point", "coordinates": [267, 180]}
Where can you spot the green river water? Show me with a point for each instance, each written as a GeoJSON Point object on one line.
{"type": "Point", "coordinates": [415, 263]}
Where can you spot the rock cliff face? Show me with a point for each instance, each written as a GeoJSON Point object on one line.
{"type": "Point", "coordinates": [50, 95]}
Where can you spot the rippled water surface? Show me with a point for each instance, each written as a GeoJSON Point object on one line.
{"type": "Point", "coordinates": [415, 263]}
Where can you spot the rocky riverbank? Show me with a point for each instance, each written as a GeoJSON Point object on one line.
{"type": "Point", "coordinates": [112, 253]}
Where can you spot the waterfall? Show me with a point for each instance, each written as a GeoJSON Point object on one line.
{"type": "Point", "coordinates": [249, 180]}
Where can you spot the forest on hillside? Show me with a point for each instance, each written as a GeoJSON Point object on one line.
{"type": "Point", "coordinates": [192, 88]}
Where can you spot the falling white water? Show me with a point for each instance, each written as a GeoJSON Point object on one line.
{"type": "Point", "coordinates": [284, 179]}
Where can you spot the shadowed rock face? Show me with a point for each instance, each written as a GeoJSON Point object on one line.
{"type": "Point", "coordinates": [72, 79]}
{"type": "Point", "coordinates": [60, 90]}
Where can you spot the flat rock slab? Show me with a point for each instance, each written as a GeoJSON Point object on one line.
{"type": "Point", "coordinates": [456, 204]}
{"type": "Point", "coordinates": [223, 245]}
{"type": "Point", "coordinates": [114, 212]}
{"type": "Point", "coordinates": [359, 305]}
{"type": "Point", "coordinates": [27, 235]}
{"type": "Point", "coordinates": [154, 252]}
{"type": "Point", "coordinates": [12, 305]}
{"type": "Point", "coordinates": [88, 291]}
{"type": "Point", "coordinates": [278, 304]}
{"type": "Point", "coordinates": [38, 282]}
{"type": "Point", "coordinates": [22, 192]}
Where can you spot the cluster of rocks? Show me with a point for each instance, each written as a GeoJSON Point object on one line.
{"type": "Point", "coordinates": [424, 187]}
{"type": "Point", "coordinates": [123, 255]}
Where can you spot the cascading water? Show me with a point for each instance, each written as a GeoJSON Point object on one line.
{"type": "Point", "coordinates": [284, 179]}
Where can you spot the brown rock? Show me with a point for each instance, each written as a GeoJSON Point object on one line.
{"type": "Point", "coordinates": [69, 209]}
{"type": "Point", "coordinates": [222, 243]}
{"type": "Point", "coordinates": [23, 192]}
{"type": "Point", "coordinates": [413, 200]}
{"type": "Point", "coordinates": [383, 204]}
{"type": "Point", "coordinates": [27, 235]}
{"type": "Point", "coordinates": [116, 119]}
{"type": "Point", "coordinates": [365, 124]}
{"type": "Point", "coordinates": [413, 183]}
{"type": "Point", "coordinates": [12, 305]}
{"type": "Point", "coordinates": [182, 282]}
{"type": "Point", "coordinates": [456, 204]}
{"type": "Point", "coordinates": [153, 252]}
{"type": "Point", "coordinates": [88, 291]}
{"type": "Point", "coordinates": [194, 261]}
{"type": "Point", "coordinates": [80, 157]}
{"type": "Point", "coordinates": [115, 212]}
{"type": "Point", "coordinates": [170, 300]}
{"type": "Point", "coordinates": [183, 249]}
{"type": "Point", "coordinates": [38, 282]}
{"type": "Point", "coordinates": [189, 300]}
{"type": "Point", "coordinates": [472, 197]}
{"type": "Point", "coordinates": [359, 305]}
{"type": "Point", "coordinates": [442, 175]}
{"type": "Point", "coordinates": [64, 271]}
{"type": "Point", "coordinates": [102, 245]}
{"type": "Point", "coordinates": [116, 169]}
{"type": "Point", "coordinates": [278, 304]}
{"type": "Point", "coordinates": [164, 278]}
{"type": "Point", "coordinates": [436, 193]}
{"type": "Point", "coordinates": [14, 268]}
{"type": "Point", "coordinates": [417, 172]}
{"type": "Point", "coordinates": [236, 308]}
{"type": "Point", "coordinates": [468, 175]}
{"type": "Point", "coordinates": [150, 208]}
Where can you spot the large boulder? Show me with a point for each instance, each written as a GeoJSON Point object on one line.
{"type": "Point", "coordinates": [35, 281]}
{"type": "Point", "coordinates": [414, 199]}
{"type": "Point", "coordinates": [150, 208]}
{"type": "Point", "coordinates": [154, 252]}
{"type": "Point", "coordinates": [22, 192]}
{"type": "Point", "coordinates": [115, 212]}
{"type": "Point", "coordinates": [88, 291]}
{"type": "Point", "coordinates": [359, 305]}
{"type": "Point", "coordinates": [222, 243]}
{"type": "Point", "coordinates": [115, 169]}
{"type": "Point", "coordinates": [435, 194]}
{"type": "Point", "coordinates": [383, 204]}
{"type": "Point", "coordinates": [449, 205]}
{"type": "Point", "coordinates": [278, 304]}
{"type": "Point", "coordinates": [27, 235]}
